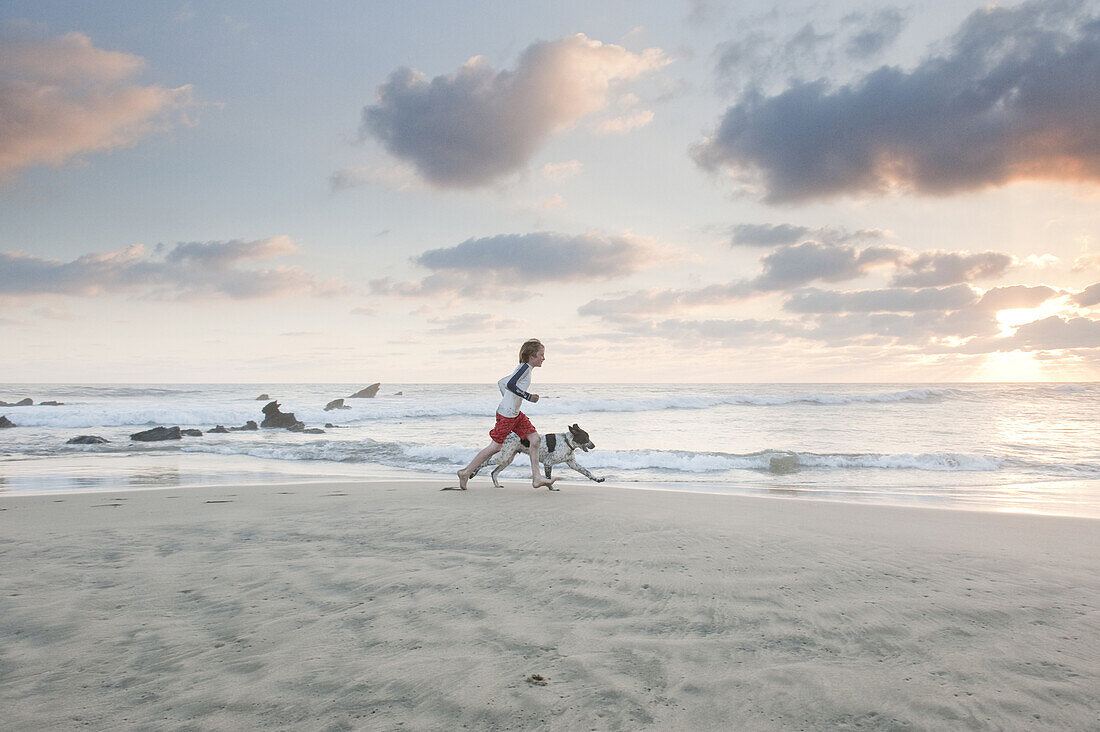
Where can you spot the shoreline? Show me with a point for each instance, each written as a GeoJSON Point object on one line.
{"type": "Point", "coordinates": [384, 604]}
{"type": "Point", "coordinates": [97, 473]}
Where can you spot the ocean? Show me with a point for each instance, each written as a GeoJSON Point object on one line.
{"type": "Point", "coordinates": [1031, 448]}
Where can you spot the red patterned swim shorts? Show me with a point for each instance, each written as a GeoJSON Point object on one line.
{"type": "Point", "coordinates": [507, 425]}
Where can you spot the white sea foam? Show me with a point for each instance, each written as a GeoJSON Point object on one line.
{"type": "Point", "coordinates": [200, 409]}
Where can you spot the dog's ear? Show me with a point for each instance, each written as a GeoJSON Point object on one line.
{"type": "Point", "coordinates": [575, 427]}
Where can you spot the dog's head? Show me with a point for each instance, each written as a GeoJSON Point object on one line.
{"type": "Point", "coordinates": [581, 438]}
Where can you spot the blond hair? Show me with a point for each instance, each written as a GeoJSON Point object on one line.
{"type": "Point", "coordinates": [529, 349]}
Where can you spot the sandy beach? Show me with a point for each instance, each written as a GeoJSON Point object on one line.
{"type": "Point", "coordinates": [398, 605]}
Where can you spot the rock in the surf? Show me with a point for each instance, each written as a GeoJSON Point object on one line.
{"type": "Point", "coordinates": [51, 404]}
{"type": "Point", "coordinates": [262, 398]}
{"type": "Point", "coordinates": [274, 419]}
{"type": "Point", "coordinates": [87, 440]}
{"type": "Point", "coordinates": [248, 426]}
{"type": "Point", "coordinates": [336, 404]}
{"type": "Point", "coordinates": [5, 422]}
{"type": "Point", "coordinates": [367, 393]}
{"type": "Point", "coordinates": [21, 403]}
{"type": "Point", "coordinates": [157, 434]}
{"type": "Point", "coordinates": [191, 433]}
{"type": "Point", "coordinates": [219, 430]}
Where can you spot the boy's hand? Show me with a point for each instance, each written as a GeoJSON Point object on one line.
{"type": "Point", "coordinates": [534, 398]}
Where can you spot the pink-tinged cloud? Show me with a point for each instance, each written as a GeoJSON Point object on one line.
{"type": "Point", "coordinates": [188, 270]}
{"type": "Point", "coordinates": [63, 97]}
{"type": "Point", "coordinates": [479, 124]}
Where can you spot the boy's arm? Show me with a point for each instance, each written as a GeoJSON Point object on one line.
{"type": "Point", "coordinates": [513, 385]}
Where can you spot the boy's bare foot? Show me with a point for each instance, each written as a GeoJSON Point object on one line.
{"type": "Point", "coordinates": [463, 478]}
{"type": "Point", "coordinates": [544, 483]}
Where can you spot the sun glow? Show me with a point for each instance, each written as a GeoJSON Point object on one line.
{"type": "Point", "coordinates": [1011, 319]}
{"type": "Point", "coordinates": [1011, 366]}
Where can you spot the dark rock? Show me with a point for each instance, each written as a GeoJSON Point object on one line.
{"type": "Point", "coordinates": [336, 404]}
{"type": "Point", "coordinates": [367, 393]}
{"type": "Point", "coordinates": [157, 434]}
{"type": "Point", "coordinates": [87, 440]}
{"type": "Point", "coordinates": [400, 393]}
{"type": "Point", "coordinates": [219, 429]}
{"type": "Point", "coordinates": [191, 433]}
{"type": "Point", "coordinates": [246, 427]}
{"type": "Point", "coordinates": [21, 403]}
{"type": "Point", "coordinates": [312, 431]}
{"type": "Point", "coordinates": [273, 418]}
{"type": "Point", "coordinates": [51, 404]}
{"type": "Point", "coordinates": [5, 422]}
{"type": "Point", "coordinates": [262, 398]}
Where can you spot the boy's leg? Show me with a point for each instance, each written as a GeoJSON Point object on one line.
{"type": "Point", "coordinates": [486, 452]}
{"type": "Point", "coordinates": [537, 480]}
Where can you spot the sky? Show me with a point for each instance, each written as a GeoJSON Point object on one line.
{"type": "Point", "coordinates": [660, 191]}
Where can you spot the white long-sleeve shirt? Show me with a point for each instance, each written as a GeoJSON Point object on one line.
{"type": "Point", "coordinates": [513, 389]}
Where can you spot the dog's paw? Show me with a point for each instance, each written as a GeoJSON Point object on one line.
{"type": "Point", "coordinates": [600, 480]}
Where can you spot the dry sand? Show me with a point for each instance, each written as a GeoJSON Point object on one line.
{"type": "Point", "coordinates": [397, 605]}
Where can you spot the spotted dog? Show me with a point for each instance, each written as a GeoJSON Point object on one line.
{"type": "Point", "coordinates": [555, 449]}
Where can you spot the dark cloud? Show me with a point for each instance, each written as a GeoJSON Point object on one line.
{"type": "Point", "coordinates": [478, 124]}
{"type": "Point", "coordinates": [1013, 97]}
{"type": "Point", "coordinates": [190, 269]}
{"type": "Point", "coordinates": [546, 256]}
{"type": "Point", "coordinates": [1015, 297]}
{"type": "Point", "coordinates": [895, 300]}
{"type": "Point", "coordinates": [939, 268]}
{"type": "Point", "coordinates": [1089, 296]}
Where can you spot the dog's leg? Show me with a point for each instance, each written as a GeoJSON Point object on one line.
{"type": "Point", "coordinates": [571, 462]}
{"type": "Point", "coordinates": [505, 461]}
{"type": "Point", "coordinates": [548, 470]}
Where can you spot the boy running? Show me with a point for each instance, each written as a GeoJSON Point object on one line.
{"type": "Point", "coordinates": [513, 390]}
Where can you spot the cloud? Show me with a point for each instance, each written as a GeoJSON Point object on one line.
{"type": "Point", "coordinates": [938, 268]}
{"type": "Point", "coordinates": [770, 235]}
{"type": "Point", "coordinates": [895, 300]}
{"type": "Point", "coordinates": [479, 124]}
{"type": "Point", "coordinates": [1011, 98]}
{"type": "Point", "coordinates": [546, 256]}
{"type": "Point", "coordinates": [1055, 333]}
{"type": "Point", "coordinates": [1088, 297]}
{"type": "Point", "coordinates": [666, 301]}
{"type": "Point", "coordinates": [764, 57]}
{"type": "Point", "coordinates": [1087, 262]}
{"type": "Point", "coordinates": [874, 34]}
{"type": "Point", "coordinates": [798, 264]}
{"type": "Point", "coordinates": [63, 97]}
{"type": "Point", "coordinates": [1016, 297]}
{"type": "Point", "coordinates": [190, 269]}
